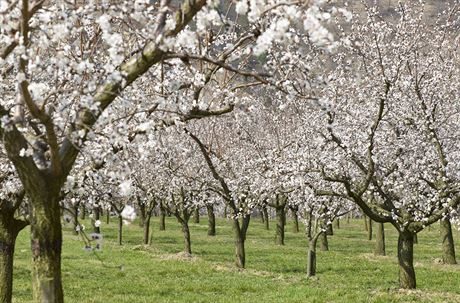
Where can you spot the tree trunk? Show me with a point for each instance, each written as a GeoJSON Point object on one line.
{"type": "Point", "coordinates": [240, 238]}
{"type": "Point", "coordinates": [311, 262]}
{"type": "Point", "coordinates": [107, 218]}
{"type": "Point", "coordinates": [147, 229]}
{"type": "Point", "coordinates": [9, 230]}
{"type": "Point", "coordinates": [83, 212]}
{"type": "Point", "coordinates": [187, 242]}
{"type": "Point", "coordinates": [365, 222]}
{"type": "Point", "coordinates": [211, 220]}
{"type": "Point", "coordinates": [142, 214]}
{"type": "Point", "coordinates": [329, 230]}
{"type": "Point", "coordinates": [46, 246]}
{"type": "Point", "coordinates": [324, 243]}
{"type": "Point", "coordinates": [415, 239]}
{"type": "Point", "coordinates": [265, 214]}
{"type": "Point", "coordinates": [75, 219]}
{"type": "Point", "coordinates": [406, 260]}
{"type": "Point", "coordinates": [379, 249]}
{"type": "Point", "coordinates": [120, 230]}
{"type": "Point", "coordinates": [296, 221]}
{"type": "Point", "coordinates": [196, 215]}
{"type": "Point", "coordinates": [281, 217]}
{"type": "Point", "coordinates": [447, 239]}
{"type": "Point", "coordinates": [162, 218]}
{"type": "Point", "coordinates": [369, 230]}
{"type": "Point", "coordinates": [97, 216]}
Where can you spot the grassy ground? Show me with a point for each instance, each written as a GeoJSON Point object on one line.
{"type": "Point", "coordinates": [347, 273]}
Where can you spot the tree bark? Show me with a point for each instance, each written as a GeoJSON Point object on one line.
{"type": "Point", "coordinates": [311, 261]}
{"type": "Point", "coordinates": [369, 230]}
{"type": "Point", "coordinates": [240, 238]}
{"type": "Point", "coordinates": [296, 221]}
{"type": "Point", "coordinates": [9, 230]}
{"type": "Point", "coordinates": [46, 244]}
{"type": "Point", "coordinates": [281, 217]}
{"type": "Point", "coordinates": [83, 212]}
{"type": "Point", "coordinates": [75, 219]}
{"type": "Point", "coordinates": [107, 218]}
{"type": "Point", "coordinates": [329, 230]}
{"type": "Point", "coordinates": [365, 222]}
{"type": "Point", "coordinates": [147, 229]}
{"type": "Point", "coordinates": [406, 260]}
{"type": "Point", "coordinates": [196, 215]}
{"type": "Point", "coordinates": [162, 218]}
{"type": "Point", "coordinates": [447, 239]}
{"type": "Point", "coordinates": [120, 230]}
{"type": "Point", "coordinates": [324, 242]}
{"type": "Point", "coordinates": [211, 220]}
{"type": "Point", "coordinates": [379, 249]}
{"type": "Point", "coordinates": [142, 213]}
{"type": "Point", "coordinates": [97, 216]}
{"type": "Point", "coordinates": [187, 242]}
{"type": "Point", "coordinates": [265, 214]}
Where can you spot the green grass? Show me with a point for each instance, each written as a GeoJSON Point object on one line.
{"type": "Point", "coordinates": [347, 273]}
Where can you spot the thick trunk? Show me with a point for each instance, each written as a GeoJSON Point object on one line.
{"type": "Point", "coordinates": [329, 230]}
{"type": "Point", "coordinates": [447, 239]}
{"type": "Point", "coordinates": [120, 230]}
{"type": "Point", "coordinates": [9, 229]}
{"type": "Point", "coordinates": [196, 215]}
{"type": "Point", "coordinates": [162, 218]}
{"type": "Point", "coordinates": [369, 230]}
{"type": "Point", "coordinates": [211, 220]}
{"type": "Point", "coordinates": [324, 243]}
{"type": "Point", "coordinates": [46, 244]}
{"type": "Point", "coordinates": [311, 262]}
{"type": "Point", "coordinates": [280, 217]}
{"type": "Point", "coordinates": [147, 229]}
{"type": "Point", "coordinates": [379, 249]}
{"type": "Point", "coordinates": [240, 238]}
{"type": "Point", "coordinates": [265, 215]}
{"type": "Point", "coordinates": [187, 242]}
{"type": "Point", "coordinates": [296, 222]}
{"type": "Point", "coordinates": [406, 260]}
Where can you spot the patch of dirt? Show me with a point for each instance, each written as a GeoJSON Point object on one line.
{"type": "Point", "coordinates": [182, 256]}
{"type": "Point", "coordinates": [372, 257]}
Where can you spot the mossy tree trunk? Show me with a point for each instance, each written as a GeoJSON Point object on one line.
{"type": "Point", "coordinates": [379, 249]}
{"type": "Point", "coordinates": [46, 244]}
{"type": "Point", "coordinates": [406, 260]}
{"type": "Point", "coordinates": [211, 220]}
{"type": "Point", "coordinates": [447, 239]}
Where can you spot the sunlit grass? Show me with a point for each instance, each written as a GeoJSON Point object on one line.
{"type": "Point", "coordinates": [158, 273]}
